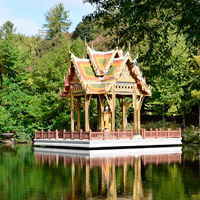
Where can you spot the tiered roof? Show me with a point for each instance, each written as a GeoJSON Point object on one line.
{"type": "Point", "coordinates": [98, 73]}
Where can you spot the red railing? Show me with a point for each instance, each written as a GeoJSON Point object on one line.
{"type": "Point", "coordinates": [63, 134]}
{"type": "Point", "coordinates": [158, 133]}
{"type": "Point", "coordinates": [105, 135]}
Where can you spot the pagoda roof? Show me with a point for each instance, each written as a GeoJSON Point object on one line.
{"type": "Point", "coordinates": [101, 70]}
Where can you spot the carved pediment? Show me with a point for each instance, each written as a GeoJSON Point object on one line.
{"type": "Point", "coordinates": [75, 79]}
{"type": "Point", "coordinates": [125, 73]}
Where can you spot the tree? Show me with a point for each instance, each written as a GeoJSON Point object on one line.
{"type": "Point", "coordinates": [57, 21]}
{"type": "Point", "coordinates": [195, 87]}
{"type": "Point", "coordinates": [8, 59]}
{"type": "Point", "coordinates": [87, 30]}
{"type": "Point", "coordinates": [171, 87]}
{"type": "Point", "coordinates": [7, 29]}
{"type": "Point", "coordinates": [132, 20]}
{"type": "Point", "coordinates": [93, 32]}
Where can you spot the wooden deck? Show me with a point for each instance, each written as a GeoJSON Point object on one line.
{"type": "Point", "coordinates": [113, 139]}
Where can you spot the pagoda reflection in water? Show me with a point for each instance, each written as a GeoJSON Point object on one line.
{"type": "Point", "coordinates": [106, 177]}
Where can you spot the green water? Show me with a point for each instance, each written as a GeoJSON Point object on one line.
{"type": "Point", "coordinates": [28, 175]}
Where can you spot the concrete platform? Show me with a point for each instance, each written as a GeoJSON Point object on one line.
{"type": "Point", "coordinates": [99, 144]}
{"type": "Point", "coordinates": [108, 153]}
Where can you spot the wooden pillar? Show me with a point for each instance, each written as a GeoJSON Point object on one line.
{"type": "Point", "coordinates": [87, 103]}
{"type": "Point", "coordinates": [123, 114]}
{"type": "Point", "coordinates": [101, 102]}
{"type": "Point", "coordinates": [135, 110]}
{"type": "Point", "coordinates": [99, 114]}
{"type": "Point", "coordinates": [72, 109]}
{"type": "Point", "coordinates": [113, 111]}
{"type": "Point", "coordinates": [78, 112]}
{"type": "Point", "coordinates": [139, 105]}
{"type": "Point", "coordinates": [138, 119]}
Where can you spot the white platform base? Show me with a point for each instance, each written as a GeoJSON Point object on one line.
{"type": "Point", "coordinates": [108, 153]}
{"type": "Point", "coordinates": [95, 144]}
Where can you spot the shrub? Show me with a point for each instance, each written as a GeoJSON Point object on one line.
{"type": "Point", "coordinates": [160, 124]}
{"type": "Point", "coordinates": [191, 134]}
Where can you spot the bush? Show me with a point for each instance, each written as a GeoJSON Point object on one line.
{"type": "Point", "coordinates": [22, 136]}
{"type": "Point", "coordinates": [191, 134]}
{"type": "Point", "coordinates": [160, 124]}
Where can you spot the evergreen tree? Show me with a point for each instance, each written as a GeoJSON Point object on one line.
{"type": "Point", "coordinates": [7, 29]}
{"type": "Point", "coordinates": [57, 21]}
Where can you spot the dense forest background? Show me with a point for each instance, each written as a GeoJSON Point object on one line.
{"type": "Point", "coordinates": [165, 35]}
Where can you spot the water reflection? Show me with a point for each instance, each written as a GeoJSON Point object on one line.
{"type": "Point", "coordinates": [106, 174]}
{"type": "Point", "coordinates": [40, 174]}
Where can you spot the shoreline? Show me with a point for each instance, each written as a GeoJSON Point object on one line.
{"type": "Point", "coordinates": [6, 141]}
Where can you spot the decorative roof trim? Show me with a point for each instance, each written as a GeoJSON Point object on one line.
{"type": "Point", "coordinates": [91, 52]}
{"type": "Point", "coordinates": [74, 59]}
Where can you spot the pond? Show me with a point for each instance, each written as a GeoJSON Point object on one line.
{"type": "Point", "coordinates": [163, 174]}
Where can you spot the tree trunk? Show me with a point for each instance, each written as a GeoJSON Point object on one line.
{"type": "Point", "coordinates": [184, 123]}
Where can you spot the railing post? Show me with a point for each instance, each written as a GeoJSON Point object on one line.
{"type": "Point", "coordinates": [180, 132]}
{"type": "Point", "coordinates": [168, 132]}
{"type": "Point", "coordinates": [160, 133]}
{"type": "Point", "coordinates": [81, 131]}
{"type": "Point", "coordinates": [144, 133]}
{"type": "Point", "coordinates": [72, 135]}
{"type": "Point", "coordinates": [48, 134]}
{"type": "Point", "coordinates": [64, 132]}
{"type": "Point", "coordinates": [156, 133]}
{"type": "Point", "coordinates": [56, 132]}
{"type": "Point", "coordinates": [90, 135]}
{"type": "Point", "coordinates": [35, 134]}
{"type": "Point", "coordinates": [118, 134]}
{"type": "Point", "coordinates": [104, 135]}
{"type": "Point", "coordinates": [42, 132]}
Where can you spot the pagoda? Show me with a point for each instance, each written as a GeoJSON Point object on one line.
{"type": "Point", "coordinates": [106, 76]}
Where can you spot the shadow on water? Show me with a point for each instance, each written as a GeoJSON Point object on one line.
{"type": "Point", "coordinates": [153, 173]}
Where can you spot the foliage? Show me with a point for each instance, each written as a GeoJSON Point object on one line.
{"type": "Point", "coordinates": [30, 100]}
{"type": "Point", "coordinates": [57, 21]}
{"type": "Point", "coordinates": [132, 21]}
{"type": "Point", "coordinates": [7, 29]}
{"type": "Point", "coordinates": [8, 59]}
{"type": "Point", "coordinates": [87, 30]}
{"type": "Point", "coordinates": [164, 125]}
{"type": "Point", "coordinates": [191, 134]}
{"type": "Point", "coordinates": [158, 31]}
{"type": "Point", "coordinates": [32, 68]}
